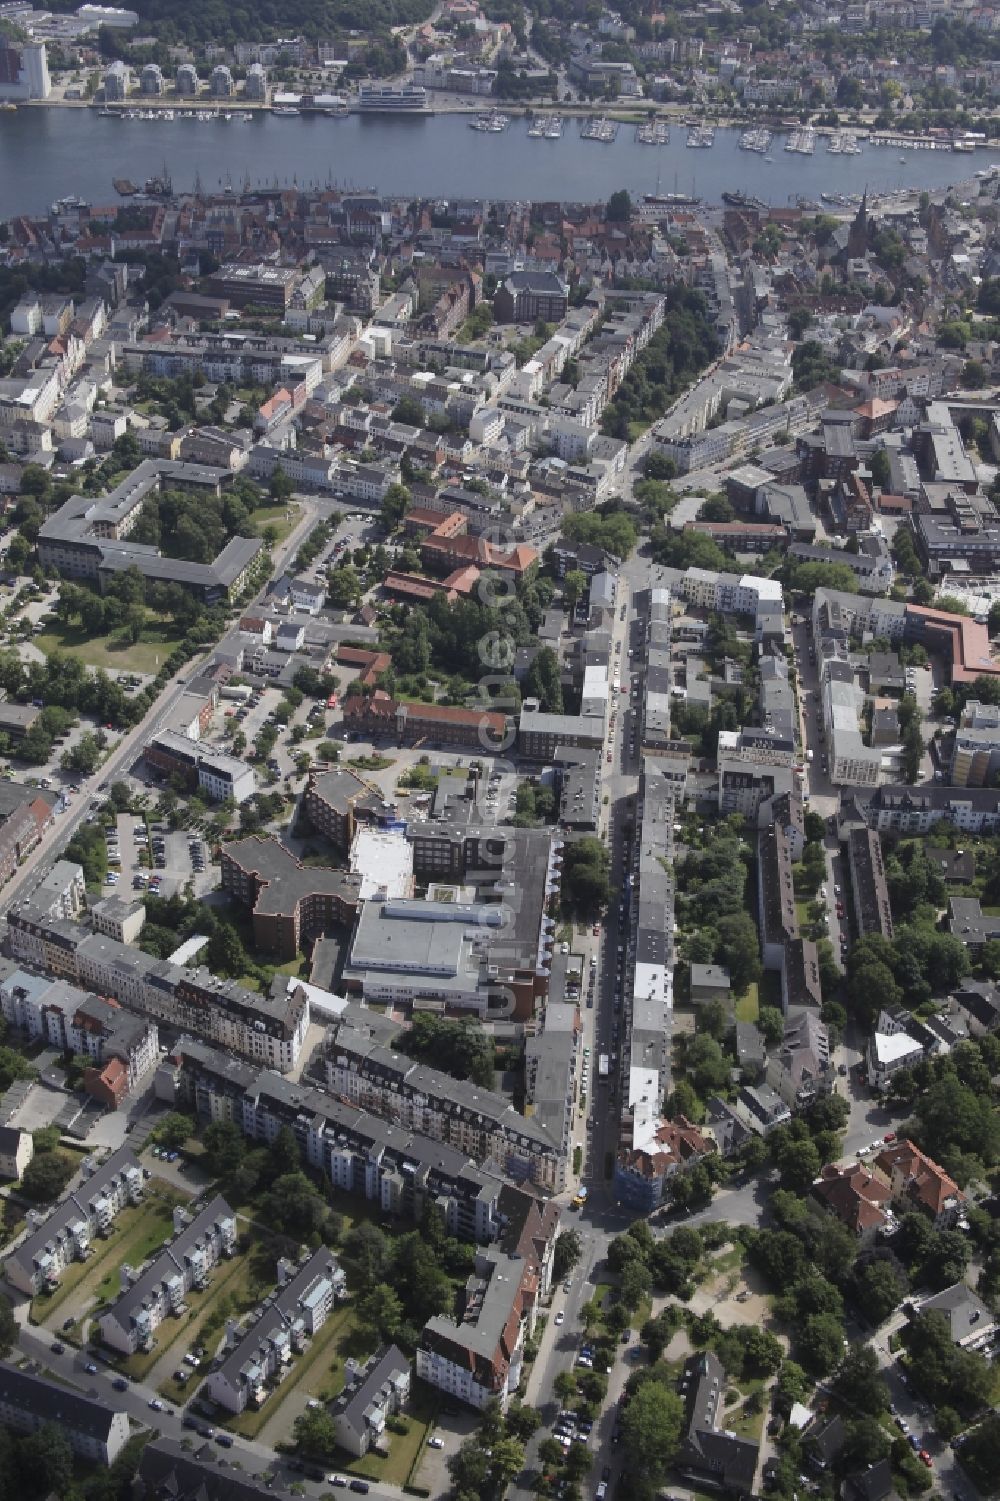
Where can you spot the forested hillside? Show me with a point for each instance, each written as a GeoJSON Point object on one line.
{"type": "Point", "coordinates": [262, 20]}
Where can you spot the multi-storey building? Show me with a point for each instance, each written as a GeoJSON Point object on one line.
{"type": "Point", "coordinates": [471, 1119]}
{"type": "Point", "coordinates": [95, 1431]}
{"type": "Point", "coordinates": [269, 1031]}
{"type": "Point", "coordinates": [131, 1322]}
{"type": "Point", "coordinates": [782, 946]}
{"type": "Point", "coordinates": [66, 1234]}
{"type": "Point", "coordinates": [337, 802]}
{"type": "Point", "coordinates": [219, 775]}
{"type": "Point", "coordinates": [400, 1170]}
{"type": "Point", "coordinates": [915, 810]}
{"type": "Point", "coordinates": [872, 908]}
{"type": "Point", "coordinates": [380, 716]}
{"type": "Point", "coordinates": [25, 814]}
{"type": "Point", "coordinates": [290, 902]}
{"type": "Point", "coordinates": [373, 1393]}
{"type": "Point", "coordinates": [88, 538]}
{"type": "Point", "coordinates": [258, 1352]}
{"type": "Point", "coordinates": [478, 1356]}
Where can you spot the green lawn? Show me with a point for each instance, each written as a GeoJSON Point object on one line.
{"type": "Point", "coordinates": [159, 637]}
{"type": "Point", "coordinates": [748, 1006]}
{"type": "Point", "coordinates": [282, 518]}
{"type": "Point", "coordinates": [404, 1448]}
{"type": "Point", "coordinates": [175, 1336]}
{"type": "Point", "coordinates": [147, 1225]}
{"type": "Point", "coordinates": [746, 1424]}
{"type": "Point", "coordinates": [319, 1371]}
{"type": "Point", "coordinates": [729, 1261]}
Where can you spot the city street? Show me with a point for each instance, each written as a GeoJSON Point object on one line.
{"type": "Point", "coordinates": [251, 1457]}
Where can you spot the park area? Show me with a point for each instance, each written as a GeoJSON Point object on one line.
{"type": "Point", "coordinates": [114, 651]}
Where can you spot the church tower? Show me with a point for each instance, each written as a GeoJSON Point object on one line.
{"type": "Point", "coordinates": [857, 242]}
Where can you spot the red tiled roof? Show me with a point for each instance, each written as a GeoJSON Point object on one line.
{"type": "Point", "coordinates": [854, 1195]}
{"type": "Point", "coordinates": [926, 1182]}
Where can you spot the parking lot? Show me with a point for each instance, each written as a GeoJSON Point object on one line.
{"type": "Point", "coordinates": [149, 857]}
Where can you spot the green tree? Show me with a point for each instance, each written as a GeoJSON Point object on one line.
{"type": "Point", "coordinates": [45, 1462]}
{"type": "Point", "coordinates": [585, 877]}
{"type": "Point", "coordinates": [280, 487]}
{"type": "Point", "coordinates": [574, 588]}
{"type": "Point", "coordinates": [45, 1177]}
{"type": "Point", "coordinates": [651, 1430]}
{"type": "Point", "coordinates": [224, 1148]}
{"type": "Point", "coordinates": [820, 1343]}
{"type": "Point", "coordinates": [395, 501]}
{"type": "Point", "coordinates": [738, 949]}
{"type": "Point", "coordinates": [381, 1311]}
{"type": "Point", "coordinates": [771, 1024]}
{"type": "Point", "coordinates": [619, 207]}
{"type": "Point", "coordinates": [315, 1432]}
{"type": "Point", "coordinates": [542, 680]}
{"type": "Point", "coordinates": [568, 1250]}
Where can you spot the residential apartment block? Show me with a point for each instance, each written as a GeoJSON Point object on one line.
{"type": "Point", "coordinates": [399, 1170]}
{"type": "Point", "coordinates": [470, 1119]}
{"type": "Point", "coordinates": [373, 1392]}
{"type": "Point", "coordinates": [95, 1431]}
{"type": "Point", "coordinates": [88, 538]}
{"type": "Point", "coordinates": [65, 1235]}
{"type": "Point", "coordinates": [199, 1244]}
{"type": "Point", "coordinates": [478, 1355]}
{"type": "Point", "coordinates": [872, 908]}
{"type": "Point", "coordinates": [258, 1352]}
{"type": "Point", "coordinates": [270, 1031]}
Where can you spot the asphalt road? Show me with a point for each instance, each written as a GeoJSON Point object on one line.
{"type": "Point", "coordinates": [254, 1458]}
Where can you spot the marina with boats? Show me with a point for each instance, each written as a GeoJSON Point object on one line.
{"type": "Point", "coordinates": [399, 150]}
{"type": "Point", "coordinates": [759, 139]}
{"type": "Point", "coordinates": [802, 141]}
{"type": "Point", "coordinates": [492, 123]}
{"type": "Point", "coordinates": [601, 129]}
{"type": "Point", "coordinates": [653, 133]}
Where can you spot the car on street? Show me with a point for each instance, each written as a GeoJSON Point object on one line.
{"type": "Point", "coordinates": [435, 1443]}
{"type": "Point", "coordinates": [560, 1317]}
{"type": "Point", "coordinates": [58, 1348]}
{"type": "Point", "coordinates": [925, 1458]}
{"type": "Point", "coordinates": [340, 1481]}
{"type": "Point", "coordinates": [90, 1367]}
{"type": "Point", "coordinates": [155, 1404]}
